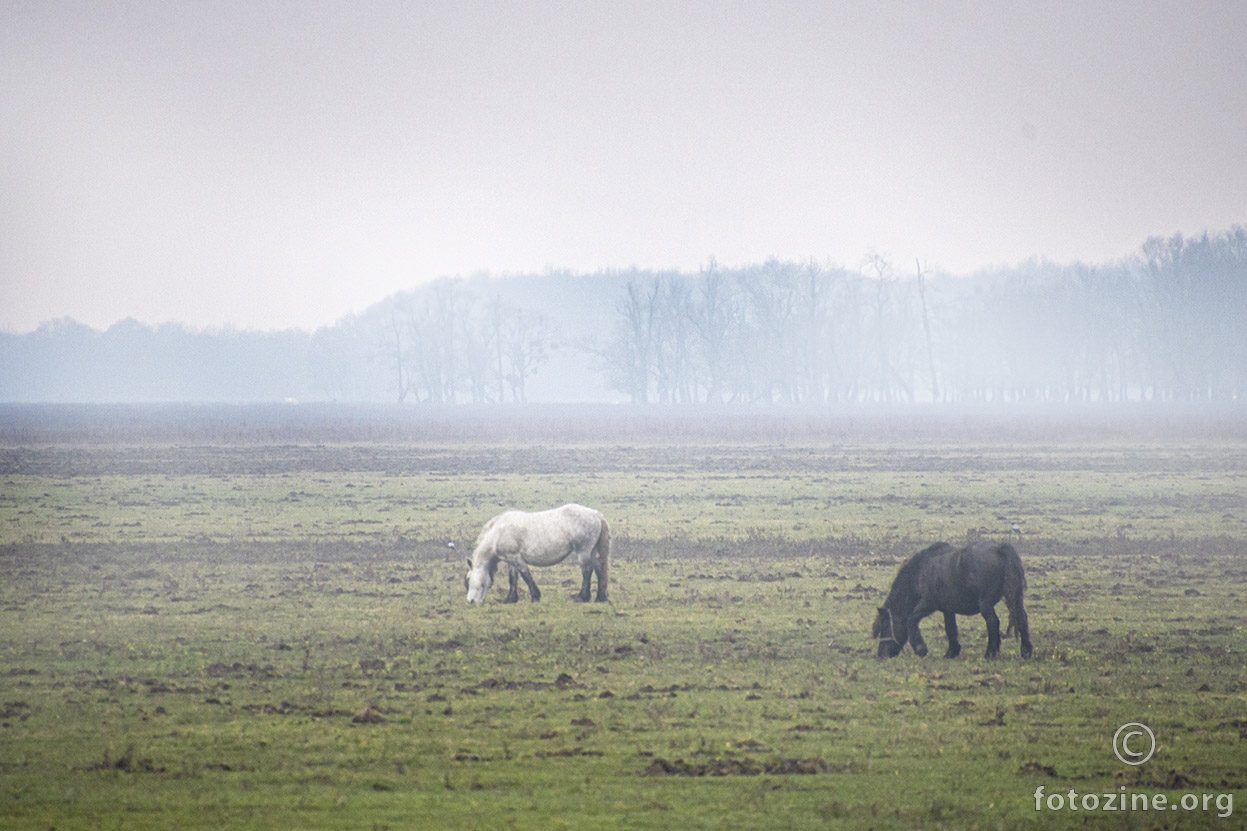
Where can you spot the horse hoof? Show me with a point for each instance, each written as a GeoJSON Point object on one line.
{"type": "Point", "coordinates": [600, 599]}
{"type": "Point", "coordinates": [1027, 650]}
{"type": "Point", "coordinates": [950, 654]}
{"type": "Point", "coordinates": [920, 651]}
{"type": "Point", "coordinates": [510, 600]}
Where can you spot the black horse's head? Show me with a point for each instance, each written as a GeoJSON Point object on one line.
{"type": "Point", "coordinates": [891, 631]}
{"type": "Point", "coordinates": [892, 622]}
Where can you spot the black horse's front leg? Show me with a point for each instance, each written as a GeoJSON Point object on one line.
{"type": "Point", "coordinates": [950, 629]}
{"type": "Point", "coordinates": [993, 629]}
{"type": "Point", "coordinates": [915, 634]}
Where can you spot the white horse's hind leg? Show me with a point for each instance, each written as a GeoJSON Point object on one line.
{"type": "Point", "coordinates": [584, 557]}
{"type": "Point", "coordinates": [602, 559]}
{"type": "Point", "coordinates": [587, 568]}
{"type": "Point", "coordinates": [599, 568]}
{"type": "Point", "coordinates": [595, 560]}
{"type": "Point", "coordinates": [591, 565]}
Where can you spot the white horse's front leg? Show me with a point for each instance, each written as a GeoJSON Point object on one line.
{"type": "Point", "coordinates": [513, 594]}
{"type": "Point", "coordinates": [534, 593]}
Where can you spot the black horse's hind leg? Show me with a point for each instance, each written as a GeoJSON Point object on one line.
{"type": "Point", "coordinates": [950, 629]}
{"type": "Point", "coordinates": [513, 595]}
{"type": "Point", "coordinates": [1019, 622]}
{"type": "Point", "coordinates": [1025, 631]}
{"type": "Point", "coordinates": [534, 593]}
{"type": "Point", "coordinates": [920, 611]}
{"type": "Point", "coordinates": [993, 629]}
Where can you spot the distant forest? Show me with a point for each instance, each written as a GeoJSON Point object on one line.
{"type": "Point", "coordinates": [1168, 324]}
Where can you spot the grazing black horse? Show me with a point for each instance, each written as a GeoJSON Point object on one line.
{"type": "Point", "coordinates": [968, 581]}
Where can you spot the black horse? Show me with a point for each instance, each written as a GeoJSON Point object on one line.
{"type": "Point", "coordinates": [968, 581]}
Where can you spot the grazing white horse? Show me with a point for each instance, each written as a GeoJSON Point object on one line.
{"type": "Point", "coordinates": [521, 539]}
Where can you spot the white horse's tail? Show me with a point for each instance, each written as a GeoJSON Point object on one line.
{"type": "Point", "coordinates": [603, 553]}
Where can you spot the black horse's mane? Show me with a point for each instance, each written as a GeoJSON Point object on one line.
{"type": "Point", "coordinates": [906, 581]}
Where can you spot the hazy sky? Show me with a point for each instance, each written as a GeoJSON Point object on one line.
{"type": "Point", "coordinates": [276, 164]}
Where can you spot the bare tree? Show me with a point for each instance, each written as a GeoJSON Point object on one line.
{"type": "Point", "coordinates": [449, 304]}
{"type": "Point", "coordinates": [497, 315]}
{"type": "Point", "coordinates": [926, 329]}
{"type": "Point", "coordinates": [397, 343]}
{"type": "Point", "coordinates": [713, 314]}
{"type": "Point", "coordinates": [881, 272]}
{"type": "Point", "coordinates": [769, 301]}
{"type": "Point", "coordinates": [476, 336]}
{"type": "Point", "coordinates": [815, 350]}
{"type": "Point", "coordinates": [628, 357]}
{"type": "Point", "coordinates": [671, 349]}
{"type": "Point", "coordinates": [526, 343]}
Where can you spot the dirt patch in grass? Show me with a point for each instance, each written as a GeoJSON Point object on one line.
{"type": "Point", "coordinates": [746, 766]}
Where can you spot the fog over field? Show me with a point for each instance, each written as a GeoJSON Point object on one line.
{"type": "Point", "coordinates": [1166, 325]}
{"type": "Point", "coordinates": [811, 203]}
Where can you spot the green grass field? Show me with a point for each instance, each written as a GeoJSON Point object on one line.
{"type": "Point", "coordinates": [275, 636]}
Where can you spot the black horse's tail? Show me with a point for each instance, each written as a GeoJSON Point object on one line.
{"type": "Point", "coordinates": [1014, 588]}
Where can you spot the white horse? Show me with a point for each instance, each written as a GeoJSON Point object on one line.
{"type": "Point", "coordinates": [544, 538]}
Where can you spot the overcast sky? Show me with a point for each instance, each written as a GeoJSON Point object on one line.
{"type": "Point", "coordinates": [270, 164]}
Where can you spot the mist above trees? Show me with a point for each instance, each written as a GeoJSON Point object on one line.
{"type": "Point", "coordinates": [1169, 324]}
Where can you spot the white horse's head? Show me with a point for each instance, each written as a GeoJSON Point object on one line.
{"type": "Point", "coordinates": [480, 578]}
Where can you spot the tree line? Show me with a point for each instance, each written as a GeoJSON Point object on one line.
{"type": "Point", "coordinates": [1168, 324]}
{"type": "Point", "coordinates": [442, 344]}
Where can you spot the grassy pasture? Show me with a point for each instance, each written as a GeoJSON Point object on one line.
{"type": "Point", "coordinates": [256, 636]}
